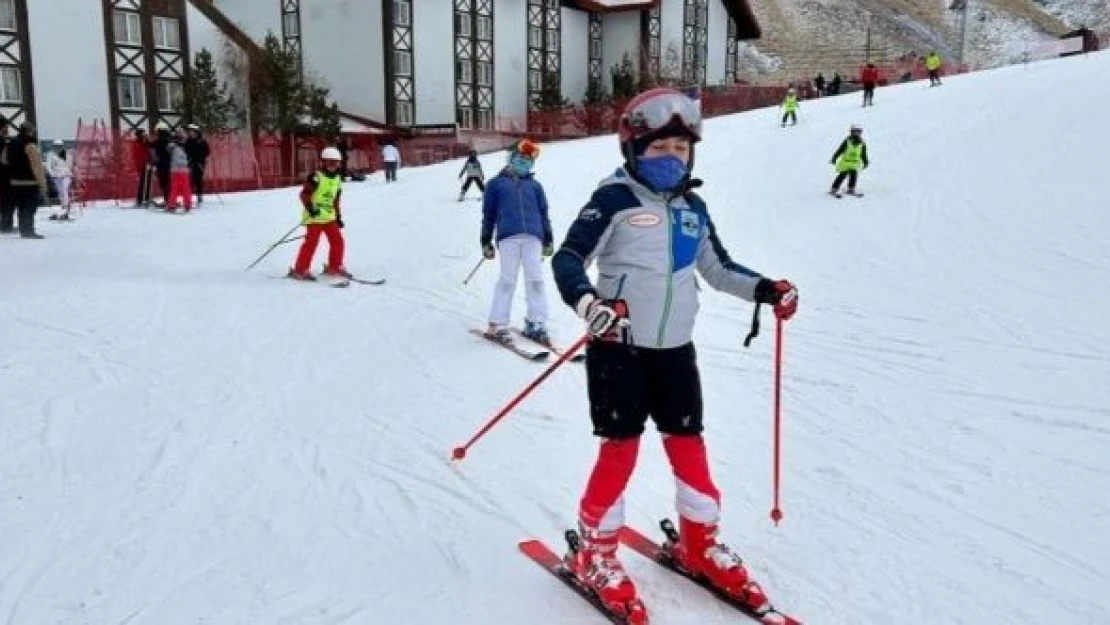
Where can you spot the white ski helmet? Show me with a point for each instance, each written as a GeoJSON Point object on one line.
{"type": "Point", "coordinates": [856, 128]}
{"type": "Point", "coordinates": [330, 154]}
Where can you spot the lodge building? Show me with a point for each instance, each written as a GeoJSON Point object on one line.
{"type": "Point", "coordinates": [477, 64]}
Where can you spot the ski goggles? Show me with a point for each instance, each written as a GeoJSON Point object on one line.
{"type": "Point", "coordinates": [657, 112]}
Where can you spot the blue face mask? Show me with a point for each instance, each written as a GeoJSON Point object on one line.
{"type": "Point", "coordinates": [520, 165]}
{"type": "Point", "coordinates": [661, 173]}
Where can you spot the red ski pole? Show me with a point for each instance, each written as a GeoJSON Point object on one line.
{"type": "Point", "coordinates": [459, 453]}
{"type": "Point", "coordinates": [776, 512]}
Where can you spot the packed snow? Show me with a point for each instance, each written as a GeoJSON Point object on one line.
{"type": "Point", "coordinates": [183, 441]}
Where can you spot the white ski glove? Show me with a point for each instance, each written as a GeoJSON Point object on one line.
{"type": "Point", "coordinates": [602, 315]}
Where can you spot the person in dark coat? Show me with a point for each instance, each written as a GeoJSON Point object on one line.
{"type": "Point", "coordinates": [196, 149]}
{"type": "Point", "coordinates": [161, 145]}
{"type": "Point", "coordinates": [23, 162]}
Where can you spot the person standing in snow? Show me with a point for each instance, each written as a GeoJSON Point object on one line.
{"type": "Point", "coordinates": [869, 77]}
{"type": "Point", "coordinates": [472, 168]}
{"type": "Point", "coordinates": [196, 147]}
{"type": "Point", "coordinates": [790, 107]}
{"type": "Point", "coordinates": [57, 167]}
{"type": "Point", "coordinates": [849, 159]}
{"type": "Point", "coordinates": [23, 162]}
{"type": "Point", "coordinates": [391, 156]}
{"type": "Point", "coordinates": [321, 215]}
{"type": "Point", "coordinates": [181, 191]}
{"type": "Point", "coordinates": [514, 211]}
{"type": "Point", "coordinates": [649, 233]}
{"type": "Point", "coordinates": [7, 206]}
{"type": "Point", "coordinates": [162, 166]}
{"type": "Point", "coordinates": [932, 65]}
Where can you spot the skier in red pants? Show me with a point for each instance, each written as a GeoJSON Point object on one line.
{"type": "Point", "coordinates": [322, 216]}
{"type": "Point", "coordinates": [652, 237]}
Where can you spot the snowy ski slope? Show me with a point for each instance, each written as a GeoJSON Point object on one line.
{"type": "Point", "coordinates": [184, 442]}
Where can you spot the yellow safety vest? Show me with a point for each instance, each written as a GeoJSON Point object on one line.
{"type": "Point", "coordinates": [790, 103]}
{"type": "Point", "coordinates": [932, 62]}
{"type": "Point", "coordinates": [851, 159]}
{"type": "Point", "coordinates": [327, 189]}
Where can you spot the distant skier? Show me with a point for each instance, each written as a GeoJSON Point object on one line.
{"type": "Point", "coordinates": [60, 172]}
{"type": "Point", "coordinates": [514, 209]}
{"type": "Point", "coordinates": [933, 65]}
{"type": "Point", "coordinates": [391, 158]}
{"type": "Point", "coordinates": [849, 159]}
{"type": "Point", "coordinates": [790, 107]}
{"type": "Point", "coordinates": [181, 189]}
{"type": "Point", "coordinates": [649, 232]}
{"type": "Point", "coordinates": [196, 147]}
{"type": "Point", "coordinates": [869, 77]}
{"type": "Point", "coordinates": [322, 215]}
{"type": "Point", "coordinates": [472, 168]}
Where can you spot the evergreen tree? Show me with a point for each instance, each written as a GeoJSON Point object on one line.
{"type": "Point", "coordinates": [283, 102]}
{"type": "Point", "coordinates": [205, 99]}
{"type": "Point", "coordinates": [625, 85]}
{"type": "Point", "coordinates": [551, 93]}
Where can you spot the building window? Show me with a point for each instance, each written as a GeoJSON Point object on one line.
{"type": "Point", "coordinates": [544, 51]}
{"type": "Point", "coordinates": [485, 119]}
{"type": "Point", "coordinates": [125, 25]}
{"type": "Point", "coordinates": [291, 25]}
{"type": "Point", "coordinates": [166, 33]}
{"type": "Point", "coordinates": [170, 94]}
{"type": "Point", "coordinates": [535, 37]}
{"type": "Point", "coordinates": [485, 28]}
{"type": "Point", "coordinates": [402, 13]}
{"type": "Point", "coordinates": [7, 15]}
{"type": "Point", "coordinates": [474, 68]}
{"type": "Point", "coordinates": [11, 89]}
{"type": "Point", "coordinates": [132, 94]}
{"type": "Point", "coordinates": [404, 113]}
{"type": "Point", "coordinates": [464, 117]}
{"type": "Point", "coordinates": [485, 73]}
{"type": "Point", "coordinates": [535, 80]}
{"type": "Point", "coordinates": [402, 63]}
{"type": "Point", "coordinates": [462, 24]}
{"type": "Point", "coordinates": [464, 71]}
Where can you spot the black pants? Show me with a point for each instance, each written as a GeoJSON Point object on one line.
{"type": "Point", "coordinates": [23, 201]}
{"type": "Point", "coordinates": [851, 175]}
{"type": "Point", "coordinates": [163, 180]}
{"type": "Point", "coordinates": [473, 180]}
{"type": "Point", "coordinates": [626, 385]}
{"type": "Point", "coordinates": [196, 176]}
{"type": "Point", "coordinates": [934, 77]}
{"type": "Point", "coordinates": [390, 171]}
{"type": "Point", "coordinates": [791, 115]}
{"type": "Point", "coordinates": [868, 94]}
{"type": "Point", "coordinates": [142, 192]}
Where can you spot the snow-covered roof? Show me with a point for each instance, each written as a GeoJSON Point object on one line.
{"type": "Point", "coordinates": [739, 10]}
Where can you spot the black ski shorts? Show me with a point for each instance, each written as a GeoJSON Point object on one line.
{"type": "Point", "coordinates": [626, 385]}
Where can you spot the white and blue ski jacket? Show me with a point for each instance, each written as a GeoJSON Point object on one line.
{"type": "Point", "coordinates": [647, 247]}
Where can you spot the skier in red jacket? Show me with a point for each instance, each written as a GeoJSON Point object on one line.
{"type": "Point", "coordinates": [869, 76]}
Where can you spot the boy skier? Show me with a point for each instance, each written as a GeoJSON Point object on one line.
{"type": "Point", "coordinates": [474, 175]}
{"type": "Point", "coordinates": [649, 233]}
{"type": "Point", "coordinates": [321, 215]}
{"type": "Point", "coordinates": [514, 208]}
{"type": "Point", "coordinates": [790, 106]}
{"type": "Point", "coordinates": [849, 158]}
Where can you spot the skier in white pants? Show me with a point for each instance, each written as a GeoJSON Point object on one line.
{"type": "Point", "coordinates": [57, 167]}
{"type": "Point", "coordinates": [514, 208]}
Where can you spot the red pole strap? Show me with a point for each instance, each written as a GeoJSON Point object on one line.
{"type": "Point", "coordinates": [459, 453]}
{"type": "Point", "coordinates": [776, 512]}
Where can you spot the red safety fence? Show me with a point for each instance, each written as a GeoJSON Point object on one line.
{"type": "Point", "coordinates": [107, 163]}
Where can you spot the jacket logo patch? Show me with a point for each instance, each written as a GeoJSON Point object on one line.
{"type": "Point", "coordinates": [644, 220]}
{"type": "Point", "coordinates": [691, 225]}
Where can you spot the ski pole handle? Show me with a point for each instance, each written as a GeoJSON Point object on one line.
{"type": "Point", "coordinates": [459, 452]}
{"type": "Point", "coordinates": [474, 271]}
